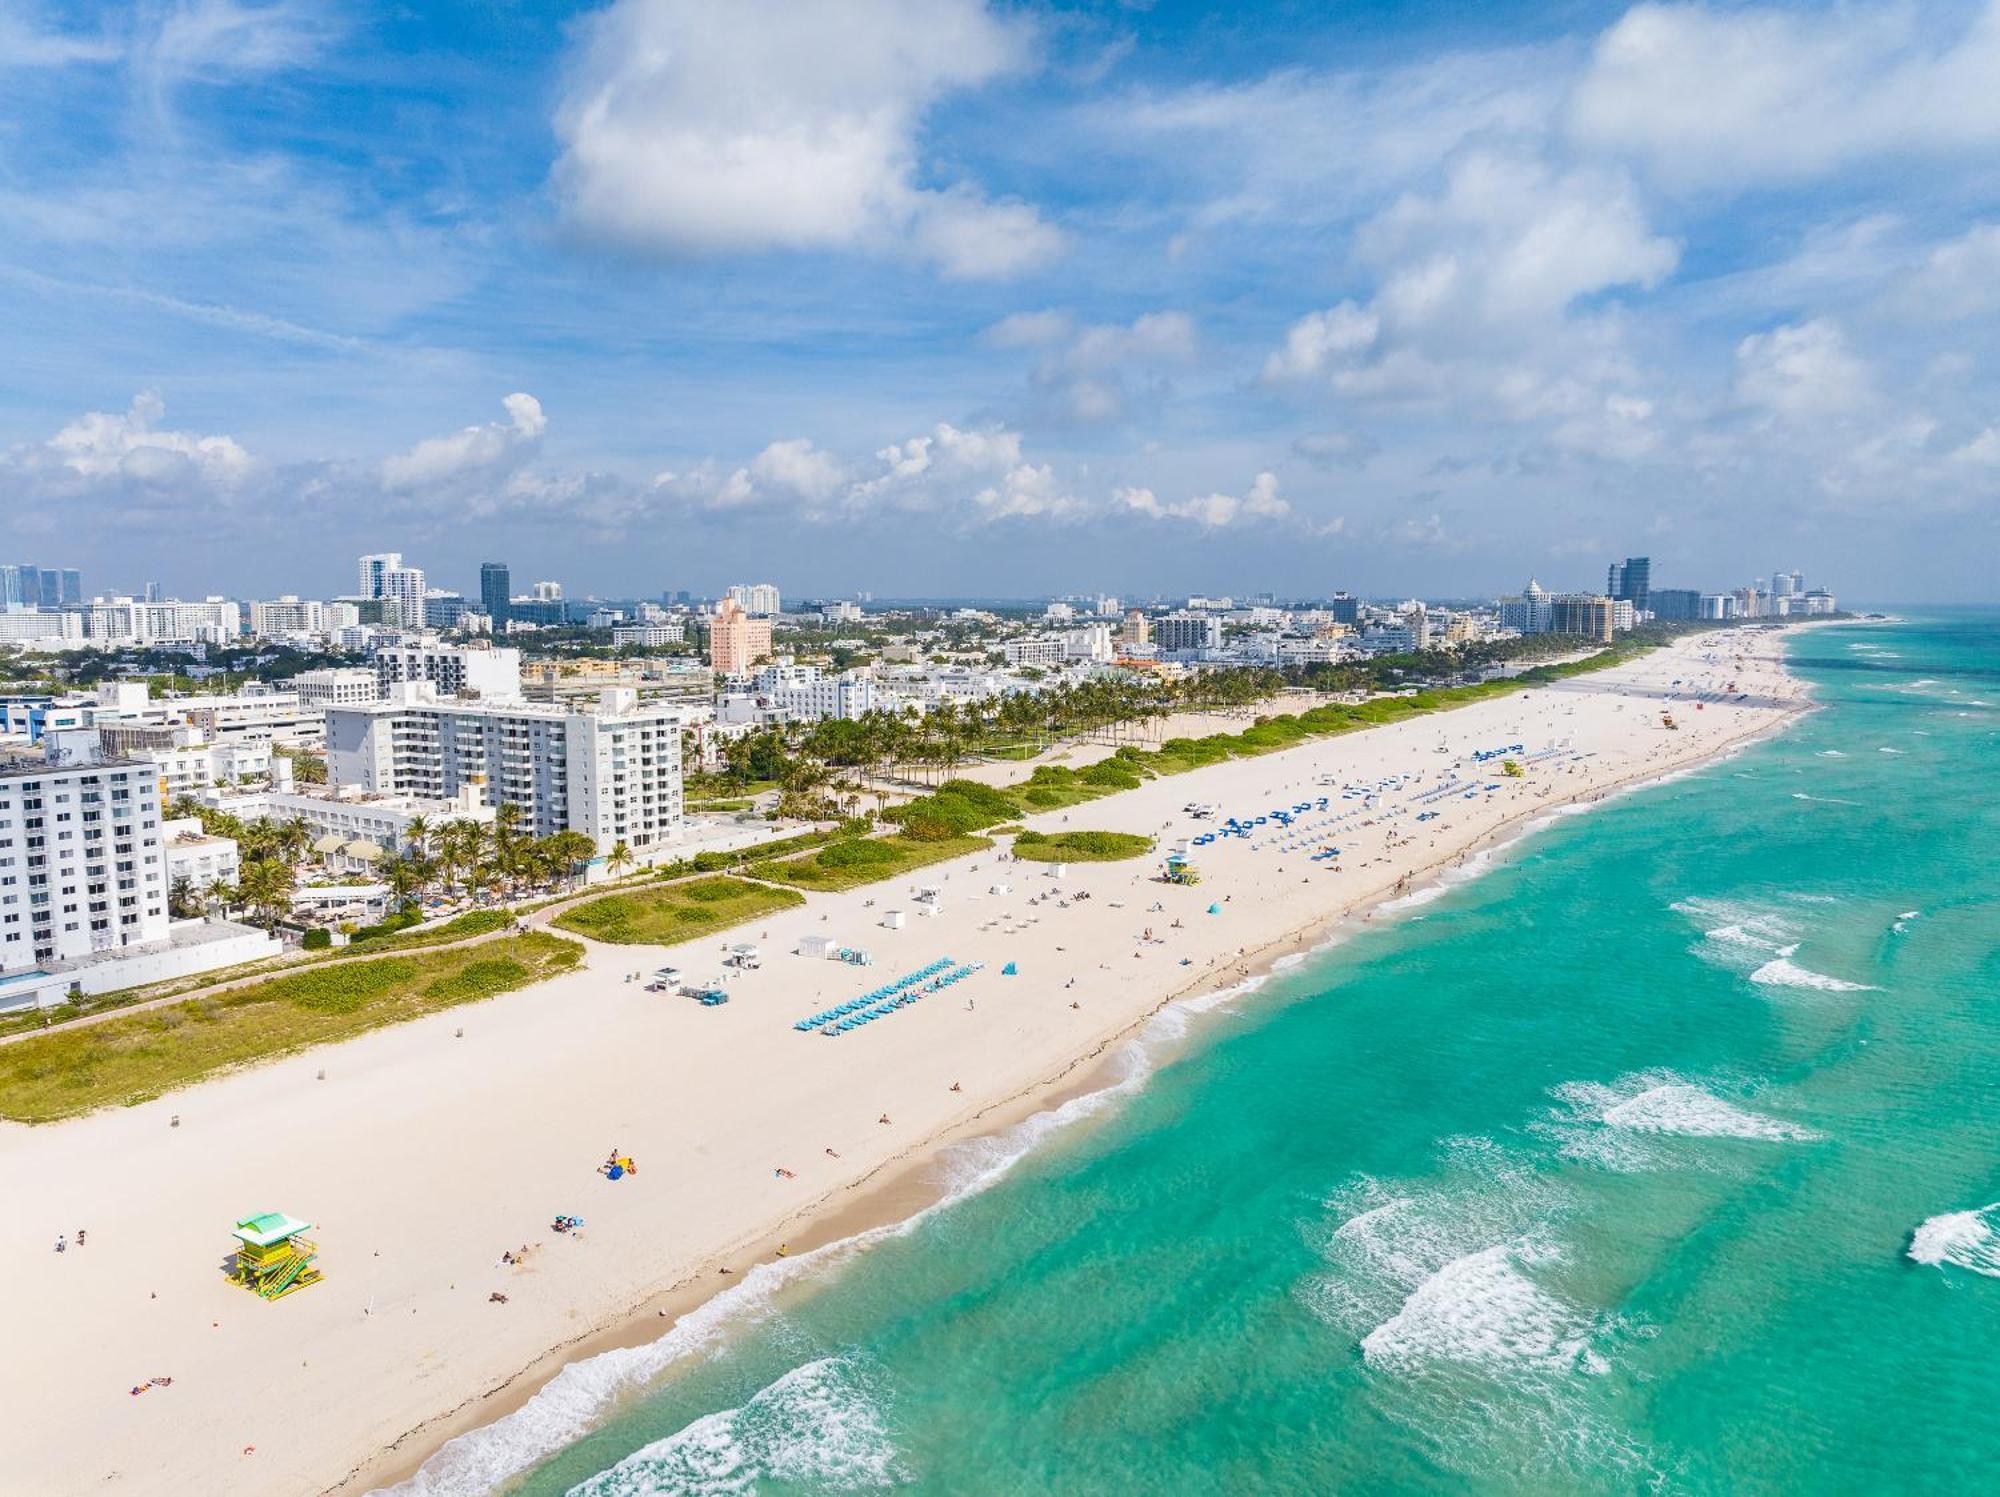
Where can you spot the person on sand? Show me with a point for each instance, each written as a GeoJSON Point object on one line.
{"type": "Point", "coordinates": [883, 1119]}
{"type": "Point", "coordinates": [956, 1087]}
{"type": "Point", "coordinates": [832, 1154]}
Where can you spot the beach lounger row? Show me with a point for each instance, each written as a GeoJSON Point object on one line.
{"type": "Point", "coordinates": [888, 990]}
{"type": "Point", "coordinates": [882, 1010]}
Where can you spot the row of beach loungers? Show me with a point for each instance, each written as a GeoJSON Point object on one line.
{"type": "Point", "coordinates": [888, 990]}
{"type": "Point", "coordinates": [904, 999]}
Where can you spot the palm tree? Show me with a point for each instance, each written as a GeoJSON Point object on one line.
{"type": "Point", "coordinates": [183, 899]}
{"type": "Point", "coordinates": [620, 857]}
{"type": "Point", "coordinates": [265, 885]}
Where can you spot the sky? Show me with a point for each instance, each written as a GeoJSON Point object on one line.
{"type": "Point", "coordinates": [935, 297]}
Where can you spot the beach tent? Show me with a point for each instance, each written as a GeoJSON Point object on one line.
{"type": "Point", "coordinates": [1010, 970]}
{"type": "Point", "coordinates": [819, 948]}
{"type": "Point", "coordinates": [1215, 909]}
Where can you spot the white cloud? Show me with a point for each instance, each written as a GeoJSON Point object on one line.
{"type": "Point", "coordinates": [28, 41]}
{"type": "Point", "coordinates": [1210, 511]}
{"type": "Point", "coordinates": [1800, 371]}
{"type": "Point", "coordinates": [695, 129]}
{"type": "Point", "coordinates": [1085, 372]}
{"type": "Point", "coordinates": [1959, 278]}
{"type": "Point", "coordinates": [1739, 96]}
{"type": "Point", "coordinates": [1028, 492]}
{"type": "Point", "coordinates": [100, 445]}
{"type": "Point", "coordinates": [796, 466]}
{"type": "Point", "coordinates": [1320, 339]}
{"type": "Point", "coordinates": [476, 450]}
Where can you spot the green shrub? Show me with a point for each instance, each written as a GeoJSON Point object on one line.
{"type": "Point", "coordinates": [317, 940]}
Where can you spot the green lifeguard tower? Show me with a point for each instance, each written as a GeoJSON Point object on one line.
{"type": "Point", "coordinates": [272, 1257]}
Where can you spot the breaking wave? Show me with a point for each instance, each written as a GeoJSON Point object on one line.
{"type": "Point", "coordinates": [1963, 1239]}
{"type": "Point", "coordinates": [1782, 972]}
{"type": "Point", "coordinates": [817, 1424]}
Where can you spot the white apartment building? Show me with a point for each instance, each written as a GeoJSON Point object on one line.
{"type": "Point", "coordinates": [402, 595]}
{"type": "Point", "coordinates": [184, 759]}
{"type": "Point", "coordinates": [83, 881]}
{"type": "Point", "coordinates": [646, 636]}
{"type": "Point", "coordinates": [453, 670]}
{"type": "Point", "coordinates": [127, 621]}
{"type": "Point", "coordinates": [372, 570]}
{"type": "Point", "coordinates": [1042, 650]}
{"type": "Point", "coordinates": [341, 686]}
{"type": "Point", "coordinates": [851, 694]}
{"type": "Point", "coordinates": [46, 630]}
{"type": "Point", "coordinates": [193, 855]}
{"type": "Point", "coordinates": [756, 598]}
{"type": "Point", "coordinates": [841, 613]}
{"type": "Point", "coordinates": [1092, 642]}
{"type": "Point", "coordinates": [611, 771]}
{"type": "Point", "coordinates": [81, 866]}
{"type": "Point", "coordinates": [287, 615]}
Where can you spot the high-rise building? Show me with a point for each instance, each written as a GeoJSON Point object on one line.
{"type": "Point", "coordinates": [495, 593]}
{"type": "Point", "coordinates": [1631, 579]}
{"type": "Point", "coordinates": [759, 599]}
{"type": "Point", "coordinates": [402, 595]}
{"type": "Point", "coordinates": [1676, 603]}
{"type": "Point", "coordinates": [374, 568]}
{"type": "Point", "coordinates": [1588, 614]}
{"type": "Point", "coordinates": [1186, 631]}
{"type": "Point", "coordinates": [736, 641]}
{"type": "Point", "coordinates": [451, 670]}
{"type": "Point", "coordinates": [155, 592]}
{"type": "Point", "coordinates": [611, 771]}
{"type": "Point", "coordinates": [72, 586]}
{"type": "Point", "coordinates": [1345, 609]}
{"type": "Point", "coordinates": [548, 592]}
{"type": "Point", "coordinates": [10, 587]}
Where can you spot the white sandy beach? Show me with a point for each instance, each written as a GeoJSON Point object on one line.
{"type": "Point", "coordinates": [422, 1155]}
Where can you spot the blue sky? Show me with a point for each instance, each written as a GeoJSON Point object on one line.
{"type": "Point", "coordinates": [937, 296]}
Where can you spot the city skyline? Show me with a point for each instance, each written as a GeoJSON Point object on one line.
{"type": "Point", "coordinates": [1017, 300]}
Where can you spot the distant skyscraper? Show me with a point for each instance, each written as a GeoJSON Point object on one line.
{"type": "Point", "coordinates": [29, 584]}
{"type": "Point", "coordinates": [756, 598]}
{"type": "Point", "coordinates": [1345, 609]}
{"type": "Point", "coordinates": [51, 587]}
{"type": "Point", "coordinates": [10, 587]}
{"type": "Point", "coordinates": [404, 588]}
{"type": "Point", "coordinates": [154, 592]}
{"type": "Point", "coordinates": [1631, 580]}
{"type": "Point", "coordinates": [72, 585]}
{"type": "Point", "coordinates": [373, 568]}
{"type": "Point", "coordinates": [495, 593]}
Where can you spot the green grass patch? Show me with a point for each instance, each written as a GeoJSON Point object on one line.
{"type": "Point", "coordinates": [458, 928]}
{"type": "Point", "coordinates": [661, 914]}
{"type": "Point", "coordinates": [140, 1056]}
{"type": "Point", "coordinates": [1081, 847]}
{"type": "Point", "coordinates": [849, 864]}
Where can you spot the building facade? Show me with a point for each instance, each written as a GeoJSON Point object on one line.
{"type": "Point", "coordinates": [611, 772]}
{"type": "Point", "coordinates": [736, 641]}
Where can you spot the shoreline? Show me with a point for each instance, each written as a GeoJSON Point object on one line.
{"type": "Point", "coordinates": [435, 1142]}
{"type": "Point", "coordinates": [904, 1188]}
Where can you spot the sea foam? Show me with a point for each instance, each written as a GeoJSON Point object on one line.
{"type": "Point", "coordinates": [1782, 972]}
{"type": "Point", "coordinates": [816, 1425]}
{"type": "Point", "coordinates": [1963, 1239]}
{"type": "Point", "coordinates": [1483, 1309]}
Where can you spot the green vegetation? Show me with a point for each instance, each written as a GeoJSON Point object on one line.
{"type": "Point", "coordinates": [849, 864]}
{"type": "Point", "coordinates": [139, 1056]}
{"type": "Point", "coordinates": [1081, 847]}
{"type": "Point", "coordinates": [394, 934]}
{"type": "Point", "coordinates": [661, 914]}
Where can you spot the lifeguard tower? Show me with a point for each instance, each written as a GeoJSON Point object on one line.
{"type": "Point", "coordinates": [1180, 871]}
{"type": "Point", "coordinates": [272, 1257]}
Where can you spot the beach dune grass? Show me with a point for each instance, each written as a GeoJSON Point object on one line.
{"type": "Point", "coordinates": [856, 861]}
{"type": "Point", "coordinates": [143, 1055]}
{"type": "Point", "coordinates": [1081, 847]}
{"type": "Point", "coordinates": [661, 914]}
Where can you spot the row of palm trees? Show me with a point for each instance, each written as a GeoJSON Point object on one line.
{"type": "Point", "coordinates": [451, 857]}
{"type": "Point", "coordinates": [463, 857]}
{"type": "Point", "coordinates": [812, 763]}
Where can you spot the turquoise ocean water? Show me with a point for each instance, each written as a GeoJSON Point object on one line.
{"type": "Point", "coordinates": [1649, 1161]}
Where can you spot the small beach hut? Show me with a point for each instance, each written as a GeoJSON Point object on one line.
{"type": "Point", "coordinates": [817, 947]}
